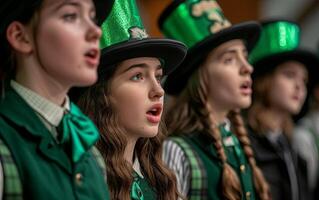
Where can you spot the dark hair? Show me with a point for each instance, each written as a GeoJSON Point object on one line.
{"type": "Point", "coordinates": [13, 10]}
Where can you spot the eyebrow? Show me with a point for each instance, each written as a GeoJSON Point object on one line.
{"type": "Point", "coordinates": [66, 2]}
{"type": "Point", "coordinates": [231, 51]}
{"type": "Point", "coordinates": [141, 65]}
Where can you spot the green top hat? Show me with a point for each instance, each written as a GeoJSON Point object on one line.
{"type": "Point", "coordinates": [201, 25]}
{"type": "Point", "coordinates": [124, 37]}
{"type": "Point", "coordinates": [279, 42]}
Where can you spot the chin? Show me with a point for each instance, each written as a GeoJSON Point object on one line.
{"type": "Point", "coordinates": [149, 133]}
{"type": "Point", "coordinates": [244, 104]}
{"type": "Point", "coordinates": [87, 81]}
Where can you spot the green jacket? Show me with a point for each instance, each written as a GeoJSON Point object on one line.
{"type": "Point", "coordinates": [207, 154]}
{"type": "Point", "coordinates": [44, 168]}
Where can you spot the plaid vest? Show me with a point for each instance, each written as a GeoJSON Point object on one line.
{"type": "Point", "coordinates": [12, 188]}
{"type": "Point", "coordinates": [198, 187]}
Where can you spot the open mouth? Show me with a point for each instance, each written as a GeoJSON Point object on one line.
{"type": "Point", "coordinates": [154, 111]}
{"type": "Point", "coordinates": [246, 87]}
{"type": "Point", "coordinates": [92, 57]}
{"type": "Point", "coordinates": [153, 115]}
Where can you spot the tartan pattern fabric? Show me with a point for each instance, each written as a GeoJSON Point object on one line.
{"type": "Point", "coordinates": [12, 188]}
{"type": "Point", "coordinates": [198, 186]}
{"type": "Point", "coordinates": [100, 161]}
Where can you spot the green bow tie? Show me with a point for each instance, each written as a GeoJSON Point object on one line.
{"type": "Point", "coordinates": [79, 130]}
{"type": "Point", "coordinates": [136, 191]}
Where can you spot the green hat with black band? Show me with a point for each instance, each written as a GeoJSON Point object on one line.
{"type": "Point", "coordinates": [202, 26]}
{"type": "Point", "coordinates": [279, 42]}
{"type": "Point", "coordinates": [125, 37]}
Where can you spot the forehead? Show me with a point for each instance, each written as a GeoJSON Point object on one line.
{"type": "Point", "coordinates": [54, 3]}
{"type": "Point", "coordinates": [147, 61]}
{"type": "Point", "coordinates": [293, 66]}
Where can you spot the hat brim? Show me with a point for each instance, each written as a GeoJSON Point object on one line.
{"type": "Point", "coordinates": [269, 63]}
{"type": "Point", "coordinates": [103, 9]}
{"type": "Point", "coordinates": [247, 31]}
{"type": "Point", "coordinates": [170, 51]}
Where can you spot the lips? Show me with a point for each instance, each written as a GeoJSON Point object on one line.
{"type": "Point", "coordinates": [245, 88]}
{"type": "Point", "coordinates": [153, 115]}
{"type": "Point", "coordinates": [92, 57]}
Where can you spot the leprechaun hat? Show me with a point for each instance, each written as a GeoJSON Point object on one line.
{"type": "Point", "coordinates": [202, 26]}
{"type": "Point", "coordinates": [125, 37]}
{"type": "Point", "coordinates": [279, 42]}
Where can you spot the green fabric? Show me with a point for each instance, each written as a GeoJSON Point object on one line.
{"type": "Point", "coordinates": [207, 152]}
{"type": "Point", "coordinates": [276, 37]}
{"type": "Point", "coordinates": [141, 189]}
{"type": "Point", "coordinates": [45, 170]}
{"type": "Point", "coordinates": [194, 20]}
{"type": "Point", "coordinates": [198, 187]}
{"type": "Point", "coordinates": [12, 188]}
{"type": "Point", "coordinates": [79, 131]}
{"type": "Point", "coordinates": [124, 23]}
{"type": "Point", "coordinates": [100, 160]}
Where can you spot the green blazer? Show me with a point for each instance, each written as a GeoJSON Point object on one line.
{"type": "Point", "coordinates": [45, 170]}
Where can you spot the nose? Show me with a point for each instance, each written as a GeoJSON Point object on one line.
{"type": "Point", "coordinates": [300, 84]}
{"type": "Point", "coordinates": [94, 32]}
{"type": "Point", "coordinates": [156, 91]}
{"type": "Point", "coordinates": [246, 67]}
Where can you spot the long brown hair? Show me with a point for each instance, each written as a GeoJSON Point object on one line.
{"type": "Point", "coordinates": [259, 117]}
{"type": "Point", "coordinates": [97, 105]}
{"type": "Point", "coordinates": [192, 113]}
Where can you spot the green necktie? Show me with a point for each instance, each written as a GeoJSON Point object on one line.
{"type": "Point", "coordinates": [79, 131]}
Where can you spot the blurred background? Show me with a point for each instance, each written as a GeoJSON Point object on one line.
{"type": "Point", "coordinates": [304, 12]}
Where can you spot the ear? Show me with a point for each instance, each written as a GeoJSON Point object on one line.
{"type": "Point", "coordinates": [19, 37]}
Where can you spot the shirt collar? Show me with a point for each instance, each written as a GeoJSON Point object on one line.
{"type": "Point", "coordinates": [137, 167]}
{"type": "Point", "coordinates": [50, 111]}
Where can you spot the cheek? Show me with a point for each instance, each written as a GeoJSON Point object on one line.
{"type": "Point", "coordinates": [129, 102]}
{"type": "Point", "coordinates": [58, 43]}
{"type": "Point", "coordinates": [281, 91]}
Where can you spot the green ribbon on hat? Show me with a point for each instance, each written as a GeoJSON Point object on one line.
{"type": "Point", "coordinates": [194, 20]}
{"type": "Point", "coordinates": [276, 37]}
{"type": "Point", "coordinates": [79, 131]}
{"type": "Point", "coordinates": [123, 23]}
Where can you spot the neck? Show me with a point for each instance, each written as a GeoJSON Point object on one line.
{"type": "Point", "coordinates": [129, 150]}
{"type": "Point", "coordinates": [277, 117]}
{"type": "Point", "coordinates": [37, 79]}
{"type": "Point", "coordinates": [219, 115]}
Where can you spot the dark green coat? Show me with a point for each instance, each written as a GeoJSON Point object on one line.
{"type": "Point", "coordinates": [44, 168]}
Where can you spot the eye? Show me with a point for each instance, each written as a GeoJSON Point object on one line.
{"type": "Point", "coordinates": [137, 77]}
{"type": "Point", "coordinates": [93, 17]}
{"type": "Point", "coordinates": [70, 17]}
{"type": "Point", "coordinates": [159, 77]}
{"type": "Point", "coordinates": [228, 60]}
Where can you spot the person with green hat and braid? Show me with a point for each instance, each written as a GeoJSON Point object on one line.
{"type": "Point", "coordinates": [126, 104]}
{"type": "Point", "coordinates": [283, 71]}
{"type": "Point", "coordinates": [46, 143]}
{"type": "Point", "coordinates": [208, 148]}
